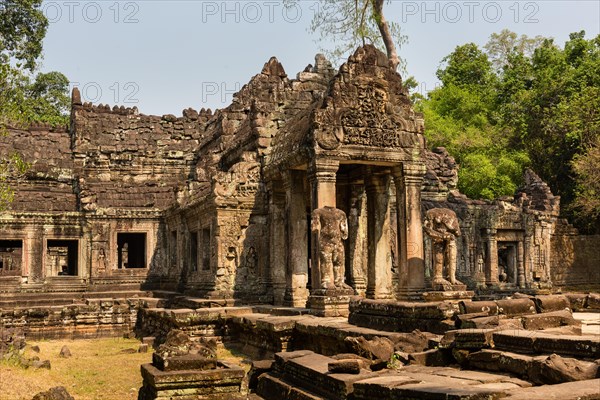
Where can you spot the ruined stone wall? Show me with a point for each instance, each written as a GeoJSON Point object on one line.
{"type": "Point", "coordinates": [126, 160]}
{"type": "Point", "coordinates": [576, 260]}
{"type": "Point", "coordinates": [48, 184]}
{"type": "Point", "coordinates": [227, 196]}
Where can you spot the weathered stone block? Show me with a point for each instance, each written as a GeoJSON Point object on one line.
{"type": "Point", "coordinates": [551, 303]}
{"type": "Point", "coordinates": [516, 307]}
{"type": "Point", "coordinates": [184, 362]}
{"type": "Point", "coordinates": [470, 307]}
{"type": "Point", "coordinates": [549, 320]}
{"type": "Point", "coordinates": [348, 366]}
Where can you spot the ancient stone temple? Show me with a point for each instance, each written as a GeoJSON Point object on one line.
{"type": "Point", "coordinates": [220, 204]}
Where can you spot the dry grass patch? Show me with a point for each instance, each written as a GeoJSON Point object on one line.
{"type": "Point", "coordinates": [97, 370]}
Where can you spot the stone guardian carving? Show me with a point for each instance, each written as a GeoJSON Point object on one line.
{"type": "Point", "coordinates": [331, 226]}
{"type": "Point", "coordinates": [441, 225]}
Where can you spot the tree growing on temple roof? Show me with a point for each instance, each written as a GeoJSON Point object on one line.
{"type": "Point", "coordinates": [352, 23]}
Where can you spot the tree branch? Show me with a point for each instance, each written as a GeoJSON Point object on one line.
{"type": "Point", "coordinates": [386, 34]}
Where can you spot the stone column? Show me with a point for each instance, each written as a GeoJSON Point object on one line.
{"type": "Point", "coordinates": [322, 177]}
{"type": "Point", "coordinates": [296, 280]}
{"type": "Point", "coordinates": [520, 266]}
{"type": "Point", "coordinates": [379, 268]}
{"type": "Point", "coordinates": [491, 263]}
{"type": "Point", "coordinates": [37, 245]}
{"type": "Point", "coordinates": [408, 179]}
{"type": "Point", "coordinates": [277, 250]}
{"type": "Point", "coordinates": [355, 245]}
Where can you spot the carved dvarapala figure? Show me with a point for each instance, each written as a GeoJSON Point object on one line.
{"type": "Point", "coordinates": [331, 226]}
{"type": "Point", "coordinates": [441, 225]}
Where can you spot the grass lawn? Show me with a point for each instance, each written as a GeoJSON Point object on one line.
{"type": "Point", "coordinates": [97, 370]}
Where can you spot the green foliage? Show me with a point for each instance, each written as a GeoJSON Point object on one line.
{"type": "Point", "coordinates": [523, 101]}
{"type": "Point", "coordinates": [587, 169]}
{"type": "Point", "coordinates": [23, 97]}
{"type": "Point", "coordinates": [350, 24]}
{"type": "Point", "coordinates": [22, 30]}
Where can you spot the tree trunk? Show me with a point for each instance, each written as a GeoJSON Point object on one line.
{"type": "Point", "coordinates": [386, 34]}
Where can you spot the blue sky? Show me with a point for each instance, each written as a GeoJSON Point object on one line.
{"type": "Point", "coordinates": [163, 56]}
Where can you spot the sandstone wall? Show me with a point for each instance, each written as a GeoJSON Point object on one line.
{"type": "Point", "coordinates": [576, 260]}
{"type": "Point", "coordinates": [49, 182]}
{"type": "Point", "coordinates": [128, 160]}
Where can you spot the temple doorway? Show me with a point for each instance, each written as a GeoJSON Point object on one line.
{"type": "Point", "coordinates": [131, 250]}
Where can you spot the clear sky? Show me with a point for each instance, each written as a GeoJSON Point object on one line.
{"type": "Point", "coordinates": [163, 56]}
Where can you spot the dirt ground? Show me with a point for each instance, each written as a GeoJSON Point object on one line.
{"type": "Point", "coordinates": [97, 370]}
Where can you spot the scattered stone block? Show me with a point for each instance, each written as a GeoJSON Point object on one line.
{"type": "Point", "coordinates": [64, 352]}
{"type": "Point", "coordinates": [549, 303]}
{"type": "Point", "coordinates": [143, 348]}
{"type": "Point", "coordinates": [551, 319]}
{"type": "Point", "coordinates": [471, 307]}
{"type": "Point", "coordinates": [379, 348]}
{"type": "Point", "coordinates": [41, 364]}
{"type": "Point", "coordinates": [258, 368]}
{"type": "Point", "coordinates": [56, 393]}
{"type": "Point", "coordinates": [350, 366]}
{"type": "Point", "coordinates": [577, 301]}
{"type": "Point", "coordinates": [565, 391]}
{"type": "Point", "coordinates": [432, 358]}
{"type": "Point", "coordinates": [556, 369]}
{"type": "Point", "coordinates": [593, 301]}
{"type": "Point", "coordinates": [516, 307]}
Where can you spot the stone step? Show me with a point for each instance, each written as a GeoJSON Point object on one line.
{"type": "Point", "coordinates": [310, 371]}
{"type": "Point", "coordinates": [530, 342]}
{"type": "Point", "coordinates": [539, 369]}
{"type": "Point", "coordinates": [273, 388]}
{"type": "Point", "coordinates": [280, 311]}
{"type": "Point", "coordinates": [588, 390]}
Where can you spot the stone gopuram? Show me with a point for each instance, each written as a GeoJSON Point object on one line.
{"type": "Point", "coordinates": [221, 205]}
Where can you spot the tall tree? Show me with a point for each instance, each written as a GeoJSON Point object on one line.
{"type": "Point", "coordinates": [22, 30]}
{"type": "Point", "coordinates": [23, 97]}
{"type": "Point", "coordinates": [351, 23]}
{"type": "Point", "coordinates": [518, 102]}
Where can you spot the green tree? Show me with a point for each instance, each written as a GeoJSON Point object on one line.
{"type": "Point", "coordinates": [23, 97]}
{"type": "Point", "coordinates": [461, 116]}
{"type": "Point", "coordinates": [522, 101]}
{"type": "Point", "coordinates": [587, 169]}
{"type": "Point", "coordinates": [22, 30]}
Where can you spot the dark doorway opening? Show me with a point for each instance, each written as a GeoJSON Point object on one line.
{"type": "Point", "coordinates": [309, 282]}
{"type": "Point", "coordinates": [11, 256]}
{"type": "Point", "coordinates": [63, 257]}
{"type": "Point", "coordinates": [205, 249]}
{"type": "Point", "coordinates": [507, 262]}
{"type": "Point", "coordinates": [194, 251]}
{"type": "Point", "coordinates": [131, 250]}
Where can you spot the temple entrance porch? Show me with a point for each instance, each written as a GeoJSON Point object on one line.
{"type": "Point", "coordinates": [382, 205]}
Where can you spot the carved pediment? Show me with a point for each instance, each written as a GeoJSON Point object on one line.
{"type": "Point", "coordinates": [367, 106]}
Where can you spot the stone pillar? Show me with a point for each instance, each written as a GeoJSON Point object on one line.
{"type": "Point", "coordinates": [491, 263]}
{"type": "Point", "coordinates": [322, 177]}
{"type": "Point", "coordinates": [277, 250]}
{"type": "Point", "coordinates": [379, 253]}
{"type": "Point", "coordinates": [520, 266]}
{"type": "Point", "coordinates": [296, 280]}
{"type": "Point", "coordinates": [37, 245]}
{"type": "Point", "coordinates": [408, 179]}
{"type": "Point", "coordinates": [356, 243]}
